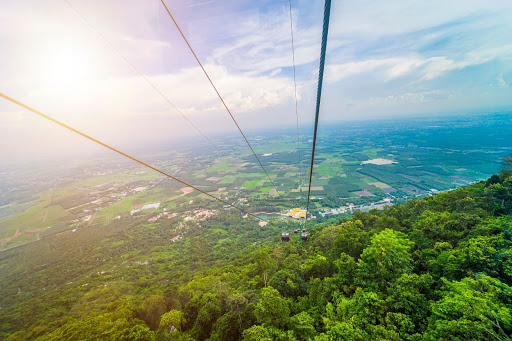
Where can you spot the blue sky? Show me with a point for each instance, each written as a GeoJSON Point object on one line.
{"type": "Point", "coordinates": [393, 58]}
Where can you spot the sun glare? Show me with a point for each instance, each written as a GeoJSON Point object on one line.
{"type": "Point", "coordinates": [64, 65]}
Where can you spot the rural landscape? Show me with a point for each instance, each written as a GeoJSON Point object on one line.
{"type": "Point", "coordinates": [109, 250]}
{"type": "Point", "coordinates": [359, 166]}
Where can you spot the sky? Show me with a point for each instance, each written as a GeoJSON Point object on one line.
{"type": "Point", "coordinates": [384, 59]}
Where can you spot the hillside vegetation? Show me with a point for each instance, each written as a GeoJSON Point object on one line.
{"type": "Point", "coordinates": [438, 268]}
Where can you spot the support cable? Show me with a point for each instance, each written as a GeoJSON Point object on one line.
{"type": "Point", "coordinates": [121, 153]}
{"type": "Point", "coordinates": [138, 72]}
{"type": "Point", "coordinates": [218, 94]}
{"type": "Point", "coordinates": [325, 31]}
{"type": "Point", "coordinates": [296, 102]}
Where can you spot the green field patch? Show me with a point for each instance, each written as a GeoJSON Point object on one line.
{"type": "Point", "coordinates": [368, 180]}
{"type": "Point", "coordinates": [56, 195]}
{"type": "Point", "coordinates": [120, 207]}
{"type": "Point", "coordinates": [20, 240]}
{"type": "Point", "coordinates": [320, 182]}
{"type": "Point", "coordinates": [199, 174]}
{"type": "Point", "coordinates": [379, 184]}
{"type": "Point", "coordinates": [252, 175]}
{"type": "Point", "coordinates": [351, 163]}
{"type": "Point", "coordinates": [228, 179]}
{"type": "Point", "coordinates": [154, 195]}
{"type": "Point", "coordinates": [221, 167]}
{"type": "Point", "coordinates": [57, 228]}
{"type": "Point", "coordinates": [313, 188]}
{"type": "Point", "coordinates": [10, 210]}
{"type": "Point", "coordinates": [251, 183]}
{"type": "Point", "coordinates": [171, 205]}
{"type": "Point", "coordinates": [265, 189]}
{"type": "Point", "coordinates": [35, 217]}
{"type": "Point", "coordinates": [325, 169]}
{"type": "Point", "coordinates": [372, 152]}
{"type": "Point", "coordinates": [141, 172]}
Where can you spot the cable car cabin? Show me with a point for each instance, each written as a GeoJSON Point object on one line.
{"type": "Point", "coordinates": [303, 230]}
{"type": "Point", "coordinates": [304, 236]}
{"type": "Point", "coordinates": [295, 231]}
{"type": "Point", "coordinates": [285, 237]}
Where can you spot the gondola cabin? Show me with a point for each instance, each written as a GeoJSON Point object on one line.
{"type": "Point", "coordinates": [285, 237]}
{"type": "Point", "coordinates": [295, 231]}
{"type": "Point", "coordinates": [303, 230]}
{"type": "Point", "coordinates": [304, 236]}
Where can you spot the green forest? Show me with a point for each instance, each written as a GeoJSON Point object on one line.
{"type": "Point", "coordinates": [437, 268]}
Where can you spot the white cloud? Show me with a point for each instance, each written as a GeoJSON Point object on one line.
{"type": "Point", "coordinates": [242, 93]}
{"type": "Point", "coordinates": [389, 68]}
{"type": "Point", "coordinates": [437, 66]}
{"type": "Point", "coordinates": [263, 44]}
{"type": "Point", "coordinates": [366, 18]}
{"type": "Point", "coordinates": [502, 82]}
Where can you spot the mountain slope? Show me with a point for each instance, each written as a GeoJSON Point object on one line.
{"type": "Point", "coordinates": [437, 268]}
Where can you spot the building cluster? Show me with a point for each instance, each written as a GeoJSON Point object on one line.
{"type": "Point", "coordinates": [351, 208]}
{"type": "Point", "coordinates": [200, 215]}
{"type": "Point", "coordinates": [296, 213]}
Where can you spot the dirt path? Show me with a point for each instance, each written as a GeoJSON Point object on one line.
{"type": "Point", "coordinates": [92, 218]}
{"type": "Point", "coordinates": [8, 239]}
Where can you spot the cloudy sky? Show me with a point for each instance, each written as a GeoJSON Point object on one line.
{"type": "Point", "coordinates": [384, 59]}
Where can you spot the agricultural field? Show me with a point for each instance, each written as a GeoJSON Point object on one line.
{"type": "Point", "coordinates": [358, 163]}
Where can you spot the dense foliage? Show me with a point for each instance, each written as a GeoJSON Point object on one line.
{"type": "Point", "coordinates": [438, 268]}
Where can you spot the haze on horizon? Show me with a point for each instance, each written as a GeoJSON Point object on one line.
{"type": "Point", "coordinates": [389, 59]}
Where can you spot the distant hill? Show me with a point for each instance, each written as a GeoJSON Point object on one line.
{"type": "Point", "coordinates": [437, 268]}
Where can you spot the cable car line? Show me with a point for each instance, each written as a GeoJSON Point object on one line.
{"type": "Point", "coordinates": [121, 153]}
{"type": "Point", "coordinates": [296, 102]}
{"type": "Point", "coordinates": [138, 71]}
{"type": "Point", "coordinates": [218, 94]}
{"type": "Point", "coordinates": [325, 31]}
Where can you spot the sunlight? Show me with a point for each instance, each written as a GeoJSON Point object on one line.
{"type": "Point", "coordinates": [65, 65]}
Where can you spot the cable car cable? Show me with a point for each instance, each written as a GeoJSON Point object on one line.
{"type": "Point", "coordinates": [121, 153]}
{"type": "Point", "coordinates": [296, 102]}
{"type": "Point", "coordinates": [325, 31]}
{"type": "Point", "coordinates": [138, 71]}
{"type": "Point", "coordinates": [218, 94]}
